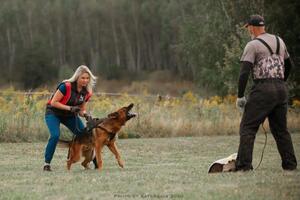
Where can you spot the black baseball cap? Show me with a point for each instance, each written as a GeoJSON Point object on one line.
{"type": "Point", "coordinates": [255, 20]}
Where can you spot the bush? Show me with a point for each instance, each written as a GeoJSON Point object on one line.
{"type": "Point", "coordinates": [22, 116]}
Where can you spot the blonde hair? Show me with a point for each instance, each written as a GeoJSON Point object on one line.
{"type": "Point", "coordinates": [81, 70]}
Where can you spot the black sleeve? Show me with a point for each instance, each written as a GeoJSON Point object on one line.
{"type": "Point", "coordinates": [244, 75]}
{"type": "Point", "coordinates": [288, 65]}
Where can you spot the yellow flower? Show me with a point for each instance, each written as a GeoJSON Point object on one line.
{"type": "Point", "coordinates": [216, 100]}
{"type": "Point", "coordinates": [230, 99]}
{"type": "Point", "coordinates": [190, 97]}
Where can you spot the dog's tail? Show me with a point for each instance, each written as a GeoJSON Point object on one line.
{"type": "Point", "coordinates": [64, 143]}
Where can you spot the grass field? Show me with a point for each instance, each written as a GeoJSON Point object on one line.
{"type": "Point", "coordinates": [168, 168]}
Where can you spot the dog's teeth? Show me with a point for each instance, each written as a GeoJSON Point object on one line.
{"type": "Point", "coordinates": [132, 113]}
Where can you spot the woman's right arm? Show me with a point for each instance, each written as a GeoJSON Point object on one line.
{"type": "Point", "coordinates": [55, 102]}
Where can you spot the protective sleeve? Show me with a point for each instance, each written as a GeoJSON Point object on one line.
{"type": "Point", "coordinates": [243, 78]}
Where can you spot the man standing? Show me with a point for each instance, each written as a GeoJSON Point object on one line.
{"type": "Point", "coordinates": [267, 59]}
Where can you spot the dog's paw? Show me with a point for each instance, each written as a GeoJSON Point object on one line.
{"type": "Point", "coordinates": [99, 169]}
{"type": "Point", "coordinates": [121, 163]}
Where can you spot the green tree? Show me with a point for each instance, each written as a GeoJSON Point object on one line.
{"type": "Point", "coordinates": [36, 66]}
{"type": "Point", "coordinates": [283, 19]}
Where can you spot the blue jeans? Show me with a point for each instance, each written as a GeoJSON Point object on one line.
{"type": "Point", "coordinates": [73, 123]}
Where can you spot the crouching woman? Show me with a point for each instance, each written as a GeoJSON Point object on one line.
{"type": "Point", "coordinates": [68, 101]}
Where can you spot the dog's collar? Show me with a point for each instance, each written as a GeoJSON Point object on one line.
{"type": "Point", "coordinates": [109, 132]}
{"type": "Point", "coordinates": [93, 123]}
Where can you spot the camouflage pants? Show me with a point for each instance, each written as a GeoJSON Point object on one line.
{"type": "Point", "coordinates": [267, 99]}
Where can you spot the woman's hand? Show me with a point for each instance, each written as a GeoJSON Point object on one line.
{"type": "Point", "coordinates": [75, 109]}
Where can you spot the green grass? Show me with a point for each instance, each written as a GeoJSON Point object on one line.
{"type": "Point", "coordinates": [168, 168]}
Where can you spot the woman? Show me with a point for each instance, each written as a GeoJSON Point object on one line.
{"type": "Point", "coordinates": [65, 105]}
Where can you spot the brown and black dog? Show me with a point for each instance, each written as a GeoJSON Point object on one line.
{"type": "Point", "coordinates": [103, 134]}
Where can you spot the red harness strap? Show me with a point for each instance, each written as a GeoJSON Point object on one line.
{"type": "Point", "coordinates": [66, 97]}
{"type": "Point", "coordinates": [88, 96]}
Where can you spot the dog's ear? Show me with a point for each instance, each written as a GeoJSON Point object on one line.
{"type": "Point", "coordinates": [130, 106]}
{"type": "Point", "coordinates": [114, 115]}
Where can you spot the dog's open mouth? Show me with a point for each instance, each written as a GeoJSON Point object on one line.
{"type": "Point", "coordinates": [129, 113]}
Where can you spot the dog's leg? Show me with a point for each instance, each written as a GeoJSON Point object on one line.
{"type": "Point", "coordinates": [113, 148]}
{"type": "Point", "coordinates": [88, 155]}
{"type": "Point", "coordinates": [70, 157]}
{"type": "Point", "coordinates": [85, 164]}
{"type": "Point", "coordinates": [98, 150]}
{"type": "Point", "coordinates": [74, 155]}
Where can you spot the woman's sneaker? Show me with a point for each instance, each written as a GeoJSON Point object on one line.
{"type": "Point", "coordinates": [47, 168]}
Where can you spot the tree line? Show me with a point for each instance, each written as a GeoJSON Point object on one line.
{"type": "Point", "coordinates": [199, 40]}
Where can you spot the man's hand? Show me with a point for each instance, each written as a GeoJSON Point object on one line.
{"type": "Point", "coordinates": [240, 103]}
{"type": "Point", "coordinates": [74, 109]}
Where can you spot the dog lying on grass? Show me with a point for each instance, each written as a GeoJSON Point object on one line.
{"type": "Point", "coordinates": [103, 134]}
